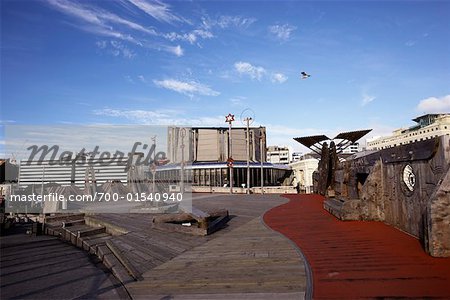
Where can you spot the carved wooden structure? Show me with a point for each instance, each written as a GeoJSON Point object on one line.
{"type": "Point", "coordinates": [406, 186]}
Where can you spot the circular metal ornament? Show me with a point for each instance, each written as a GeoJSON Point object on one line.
{"type": "Point", "coordinates": [247, 114]}
{"type": "Point", "coordinates": [409, 178]}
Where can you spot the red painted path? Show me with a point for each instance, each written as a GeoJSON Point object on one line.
{"type": "Point", "coordinates": [357, 259]}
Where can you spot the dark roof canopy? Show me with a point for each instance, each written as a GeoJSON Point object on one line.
{"type": "Point", "coordinates": [308, 141]}
{"type": "Point", "coordinates": [346, 139]}
{"type": "Point", "coordinates": [352, 136]}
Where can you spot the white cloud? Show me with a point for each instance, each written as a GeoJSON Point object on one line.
{"type": "Point", "coordinates": [77, 10]}
{"type": "Point", "coordinates": [205, 34]}
{"type": "Point", "coordinates": [102, 44]}
{"type": "Point", "coordinates": [158, 10]}
{"type": "Point", "coordinates": [190, 88]}
{"type": "Point", "coordinates": [118, 20]}
{"type": "Point", "coordinates": [160, 117]}
{"type": "Point", "coordinates": [367, 99]}
{"type": "Point", "coordinates": [257, 72]}
{"type": "Point", "coordinates": [282, 32]}
{"type": "Point", "coordinates": [111, 33]}
{"type": "Point", "coordinates": [139, 116]}
{"type": "Point", "coordinates": [434, 105]}
{"type": "Point", "coordinates": [410, 43]}
{"type": "Point", "coordinates": [237, 101]}
{"type": "Point", "coordinates": [236, 21]}
{"type": "Point", "coordinates": [120, 49]}
{"type": "Point", "coordinates": [3, 122]}
{"type": "Point", "coordinates": [100, 21]}
{"type": "Point", "coordinates": [173, 36]}
{"type": "Point", "coordinates": [225, 21]}
{"type": "Point", "coordinates": [115, 48]}
{"type": "Point", "coordinates": [103, 23]}
{"type": "Point", "coordinates": [142, 78]}
{"type": "Point", "coordinates": [129, 79]}
{"type": "Point", "coordinates": [190, 37]}
{"type": "Point", "coordinates": [278, 78]}
{"type": "Point", "coordinates": [177, 50]}
{"type": "Point", "coordinates": [379, 129]}
{"type": "Point", "coordinates": [248, 69]}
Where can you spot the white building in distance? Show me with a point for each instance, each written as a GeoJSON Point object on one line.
{"type": "Point", "coordinates": [352, 149]}
{"type": "Point", "coordinates": [428, 126]}
{"type": "Point", "coordinates": [296, 156]}
{"type": "Point", "coordinates": [278, 155]}
{"type": "Point", "coordinates": [303, 170]}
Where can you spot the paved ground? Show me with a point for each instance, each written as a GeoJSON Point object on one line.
{"type": "Point", "coordinates": [250, 262]}
{"type": "Point", "coordinates": [244, 260]}
{"type": "Point", "coordinates": [44, 267]}
{"type": "Point", "coordinates": [356, 259]}
{"type": "Point", "coordinates": [147, 248]}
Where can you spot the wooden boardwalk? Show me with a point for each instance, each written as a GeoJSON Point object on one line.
{"type": "Point", "coordinates": [147, 248]}
{"type": "Point", "coordinates": [244, 260]}
{"type": "Point", "coordinates": [251, 259]}
{"type": "Point", "coordinates": [357, 259]}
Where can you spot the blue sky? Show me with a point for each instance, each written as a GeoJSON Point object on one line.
{"type": "Point", "coordinates": [373, 64]}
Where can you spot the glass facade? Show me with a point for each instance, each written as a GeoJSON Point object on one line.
{"type": "Point", "coordinates": [220, 176]}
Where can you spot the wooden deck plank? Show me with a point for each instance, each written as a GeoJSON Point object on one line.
{"type": "Point", "coordinates": [242, 258]}
{"type": "Point", "coordinates": [249, 259]}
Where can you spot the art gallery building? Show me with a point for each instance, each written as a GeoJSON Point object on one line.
{"type": "Point", "coordinates": [204, 153]}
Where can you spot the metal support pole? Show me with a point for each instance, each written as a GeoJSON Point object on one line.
{"type": "Point", "coordinates": [229, 119]}
{"type": "Point", "coordinates": [261, 159]}
{"type": "Point", "coordinates": [153, 181]}
{"type": "Point", "coordinates": [231, 167]}
{"type": "Point", "coordinates": [247, 120]}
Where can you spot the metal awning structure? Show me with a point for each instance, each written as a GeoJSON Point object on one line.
{"type": "Point", "coordinates": [348, 138]}
{"type": "Point", "coordinates": [313, 142]}
{"type": "Point", "coordinates": [342, 141]}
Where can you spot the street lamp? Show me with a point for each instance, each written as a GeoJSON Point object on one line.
{"type": "Point", "coordinates": [247, 118]}
{"type": "Point", "coordinates": [229, 119]}
{"type": "Point", "coordinates": [247, 121]}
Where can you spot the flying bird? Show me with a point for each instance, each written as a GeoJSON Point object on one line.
{"type": "Point", "coordinates": [305, 75]}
